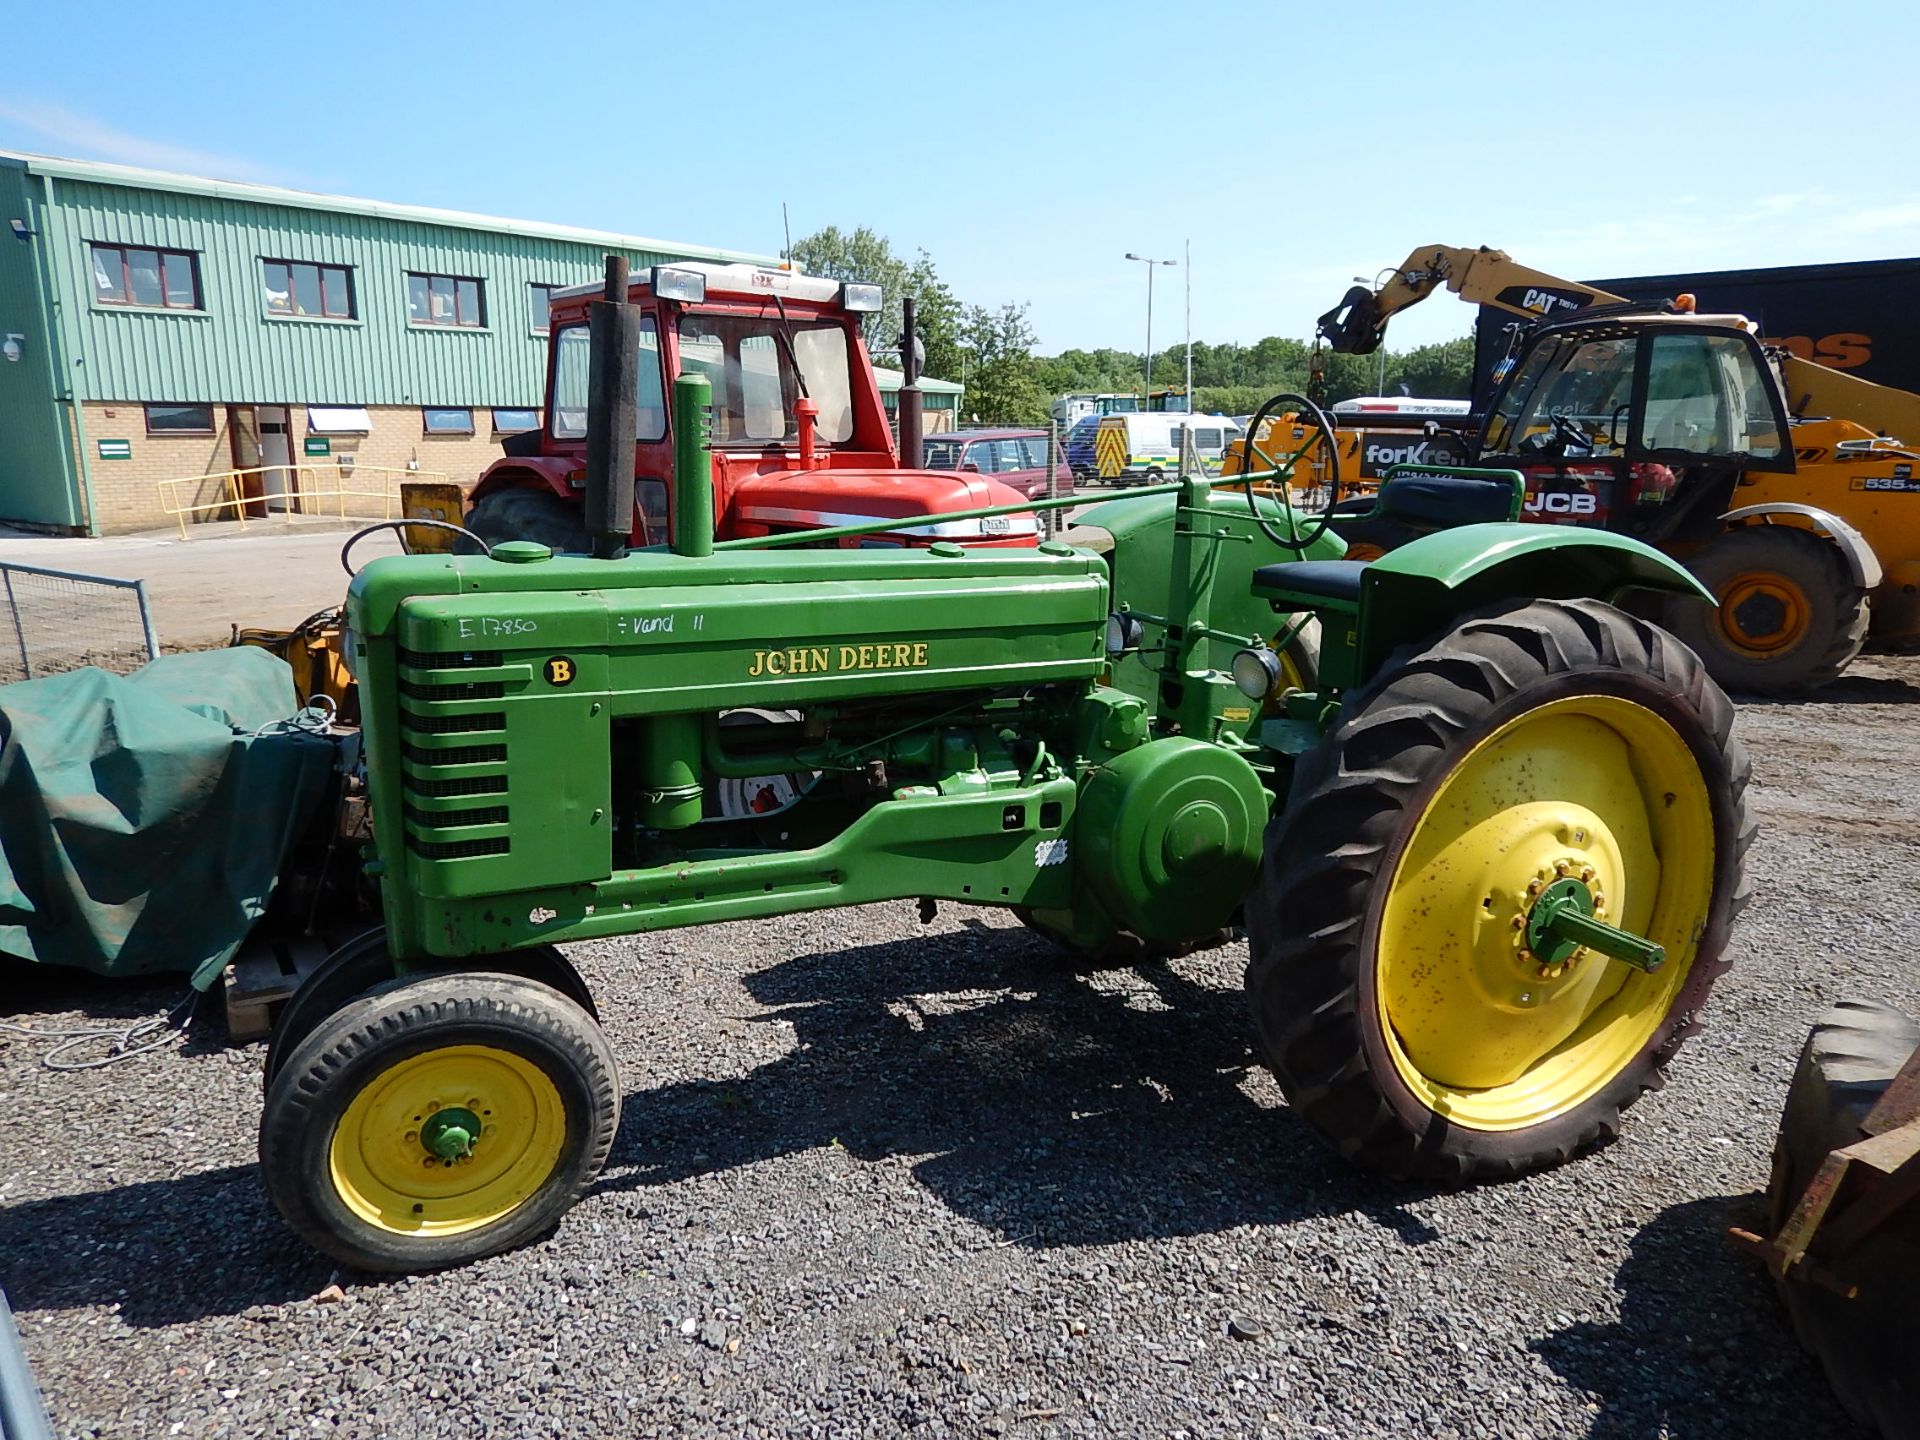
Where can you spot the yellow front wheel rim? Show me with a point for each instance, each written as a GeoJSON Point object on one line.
{"type": "Point", "coordinates": [383, 1158]}
{"type": "Point", "coordinates": [1481, 1030]}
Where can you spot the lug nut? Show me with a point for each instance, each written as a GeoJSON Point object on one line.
{"type": "Point", "coordinates": [1586, 872]}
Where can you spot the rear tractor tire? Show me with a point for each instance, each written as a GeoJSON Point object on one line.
{"type": "Point", "coordinates": [1552, 750]}
{"type": "Point", "coordinates": [521, 512]}
{"type": "Point", "coordinates": [1867, 1344]}
{"type": "Point", "coordinates": [432, 1122]}
{"type": "Point", "coordinates": [1790, 617]}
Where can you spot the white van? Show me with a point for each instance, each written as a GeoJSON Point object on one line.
{"type": "Point", "coordinates": [1144, 448]}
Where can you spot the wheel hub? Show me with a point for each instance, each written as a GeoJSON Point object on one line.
{"type": "Point", "coordinates": [1763, 614]}
{"type": "Point", "coordinates": [1567, 916]}
{"type": "Point", "coordinates": [448, 1135]}
{"type": "Point", "coordinates": [1760, 616]}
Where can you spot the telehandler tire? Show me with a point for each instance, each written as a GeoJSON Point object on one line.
{"type": "Point", "coordinates": [1867, 1344]}
{"type": "Point", "coordinates": [439, 1120]}
{"type": "Point", "coordinates": [1542, 746]}
{"type": "Point", "coordinates": [521, 512]}
{"type": "Point", "coordinates": [1790, 617]}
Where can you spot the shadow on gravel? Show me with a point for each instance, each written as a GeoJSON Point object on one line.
{"type": "Point", "coordinates": [1849, 689]}
{"type": "Point", "coordinates": [1702, 1347]}
{"type": "Point", "coordinates": [1050, 1110]}
{"type": "Point", "coordinates": [166, 1251]}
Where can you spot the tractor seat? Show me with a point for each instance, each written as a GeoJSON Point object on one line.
{"type": "Point", "coordinates": [1439, 501]}
{"type": "Point", "coordinates": [1335, 582]}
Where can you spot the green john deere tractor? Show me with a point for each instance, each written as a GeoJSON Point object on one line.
{"type": "Point", "coordinates": [1484, 830]}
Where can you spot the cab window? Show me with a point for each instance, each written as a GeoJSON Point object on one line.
{"type": "Point", "coordinates": [569, 408]}
{"type": "Point", "coordinates": [1706, 395]}
{"type": "Point", "coordinates": [746, 360]}
{"type": "Point", "coordinates": [1570, 395]}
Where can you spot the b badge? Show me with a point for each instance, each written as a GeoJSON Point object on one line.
{"type": "Point", "coordinates": [559, 671]}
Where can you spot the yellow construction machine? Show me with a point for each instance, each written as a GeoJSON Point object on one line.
{"type": "Point", "coordinates": [1790, 489]}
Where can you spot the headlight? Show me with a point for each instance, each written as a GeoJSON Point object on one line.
{"type": "Point", "coordinates": [857, 296]}
{"type": "Point", "coordinates": [687, 286]}
{"type": "Point", "coordinates": [1256, 672]}
{"type": "Point", "coordinates": [1123, 634]}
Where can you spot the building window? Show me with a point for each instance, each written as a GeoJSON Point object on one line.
{"type": "Point", "coordinates": [445, 300]}
{"type": "Point", "coordinates": [338, 420]}
{"type": "Point", "coordinates": [447, 420]}
{"type": "Point", "coordinates": [319, 292]}
{"type": "Point", "coordinates": [180, 419]}
{"type": "Point", "coordinates": [146, 279]}
{"type": "Point", "coordinates": [539, 302]}
{"type": "Point", "coordinates": [513, 422]}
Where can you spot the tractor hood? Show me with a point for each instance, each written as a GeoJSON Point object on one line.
{"type": "Point", "coordinates": [815, 499]}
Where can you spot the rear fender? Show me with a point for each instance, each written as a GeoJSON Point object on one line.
{"type": "Point", "coordinates": [527, 471]}
{"type": "Point", "coordinates": [1862, 564]}
{"type": "Point", "coordinates": [1423, 587]}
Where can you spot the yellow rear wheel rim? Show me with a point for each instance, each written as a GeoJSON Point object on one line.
{"type": "Point", "coordinates": [386, 1174]}
{"type": "Point", "coordinates": [1762, 613]}
{"type": "Point", "coordinates": [1593, 786]}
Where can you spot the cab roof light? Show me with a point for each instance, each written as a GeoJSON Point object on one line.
{"type": "Point", "coordinates": [670, 282]}
{"type": "Point", "coordinates": [857, 295]}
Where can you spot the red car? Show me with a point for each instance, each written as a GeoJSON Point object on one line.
{"type": "Point", "coordinates": [1016, 458]}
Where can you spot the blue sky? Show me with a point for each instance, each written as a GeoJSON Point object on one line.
{"type": "Point", "coordinates": [1029, 146]}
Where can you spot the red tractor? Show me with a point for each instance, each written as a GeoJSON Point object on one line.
{"type": "Point", "coordinates": [800, 439]}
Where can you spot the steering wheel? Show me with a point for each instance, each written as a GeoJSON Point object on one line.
{"type": "Point", "coordinates": [1301, 406]}
{"type": "Point", "coordinates": [1569, 432]}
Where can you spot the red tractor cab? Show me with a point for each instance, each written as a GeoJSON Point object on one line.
{"type": "Point", "coordinates": [767, 340]}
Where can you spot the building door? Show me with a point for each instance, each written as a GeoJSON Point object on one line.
{"type": "Point", "coordinates": [276, 455]}
{"type": "Point", "coordinates": [243, 434]}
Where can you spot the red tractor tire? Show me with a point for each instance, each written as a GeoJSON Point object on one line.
{"type": "Point", "coordinates": [521, 512]}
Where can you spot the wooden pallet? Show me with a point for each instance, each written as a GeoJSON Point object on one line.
{"type": "Point", "coordinates": [265, 971]}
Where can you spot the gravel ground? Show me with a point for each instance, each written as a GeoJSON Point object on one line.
{"type": "Point", "coordinates": [875, 1178]}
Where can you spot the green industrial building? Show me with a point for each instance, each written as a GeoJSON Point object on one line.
{"type": "Point", "coordinates": [159, 331]}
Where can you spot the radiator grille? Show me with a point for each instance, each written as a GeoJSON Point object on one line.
{"type": "Point", "coordinates": [449, 659]}
{"type": "Point", "coordinates": [447, 789]}
{"type": "Point", "coordinates": [471, 690]}
{"type": "Point", "coordinates": [447, 819]}
{"type": "Point", "coordinates": [453, 724]}
{"type": "Point", "coordinates": [458, 755]}
{"type": "Point", "coordinates": [455, 849]}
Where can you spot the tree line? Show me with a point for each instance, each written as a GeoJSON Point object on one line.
{"type": "Point", "coordinates": [990, 350]}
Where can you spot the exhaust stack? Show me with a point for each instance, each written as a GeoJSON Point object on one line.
{"type": "Point", "coordinates": [613, 369]}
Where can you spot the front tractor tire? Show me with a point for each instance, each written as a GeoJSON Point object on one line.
{"type": "Point", "coordinates": [1790, 617]}
{"type": "Point", "coordinates": [1545, 750]}
{"type": "Point", "coordinates": [431, 1122]}
{"type": "Point", "coordinates": [520, 512]}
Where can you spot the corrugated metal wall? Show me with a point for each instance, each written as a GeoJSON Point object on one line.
{"type": "Point", "coordinates": [36, 482]}
{"type": "Point", "coordinates": [234, 353]}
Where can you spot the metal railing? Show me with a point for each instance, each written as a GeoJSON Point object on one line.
{"type": "Point", "coordinates": [334, 492]}
{"type": "Point", "coordinates": [58, 620]}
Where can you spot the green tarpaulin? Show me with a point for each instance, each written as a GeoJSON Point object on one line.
{"type": "Point", "coordinates": [144, 817]}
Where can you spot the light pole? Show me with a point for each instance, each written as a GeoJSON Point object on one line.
{"type": "Point", "coordinates": [1361, 279]}
{"type": "Point", "coordinates": [1149, 262]}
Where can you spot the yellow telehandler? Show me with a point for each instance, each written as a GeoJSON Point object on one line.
{"type": "Point", "coordinates": [1790, 489]}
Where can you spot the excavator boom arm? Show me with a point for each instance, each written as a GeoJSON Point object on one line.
{"type": "Point", "coordinates": [1358, 324]}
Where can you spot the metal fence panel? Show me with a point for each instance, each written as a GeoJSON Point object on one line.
{"type": "Point", "coordinates": [57, 620]}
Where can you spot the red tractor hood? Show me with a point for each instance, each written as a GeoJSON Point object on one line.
{"type": "Point", "coordinates": [816, 499]}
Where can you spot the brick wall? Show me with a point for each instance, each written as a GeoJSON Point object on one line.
{"type": "Point", "coordinates": [127, 497]}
